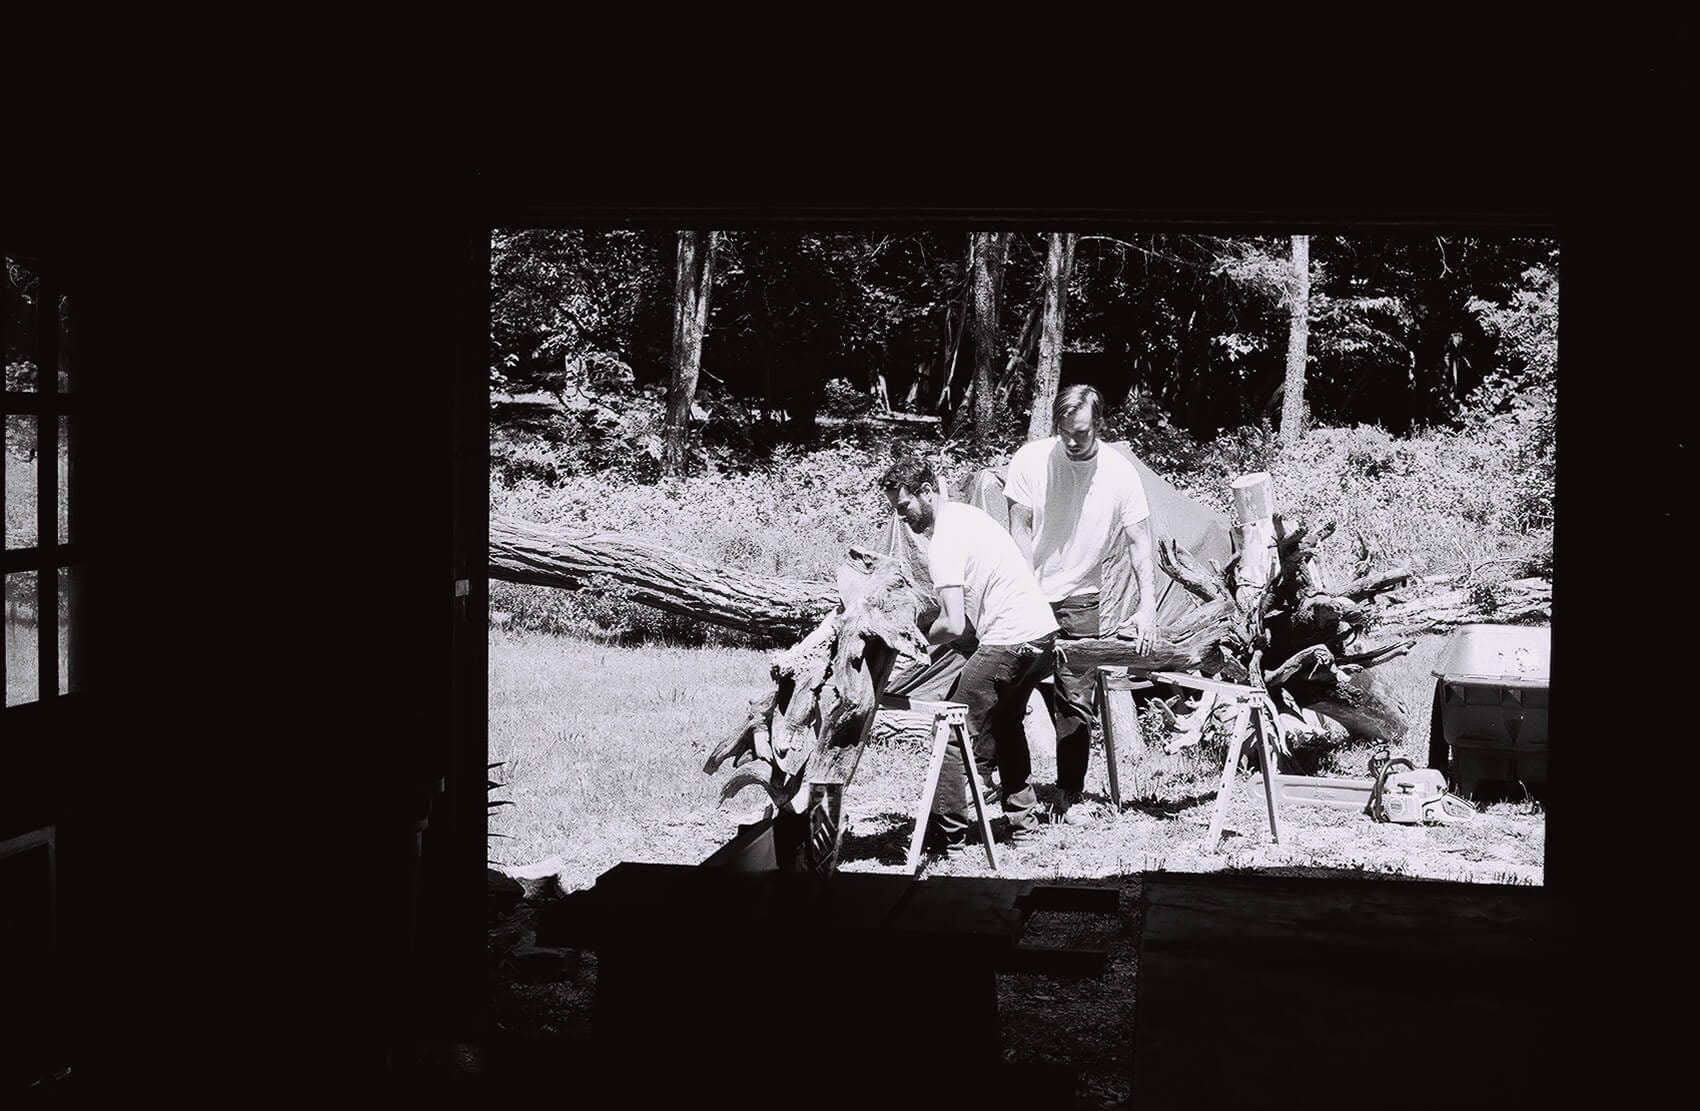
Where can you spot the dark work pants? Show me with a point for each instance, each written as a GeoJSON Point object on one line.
{"type": "Point", "coordinates": [1070, 697]}
{"type": "Point", "coordinates": [995, 685]}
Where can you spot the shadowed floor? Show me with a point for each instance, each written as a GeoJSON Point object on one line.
{"type": "Point", "coordinates": [1278, 991]}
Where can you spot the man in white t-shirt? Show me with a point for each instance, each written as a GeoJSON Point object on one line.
{"type": "Point", "coordinates": [1070, 501]}
{"type": "Point", "coordinates": [981, 578]}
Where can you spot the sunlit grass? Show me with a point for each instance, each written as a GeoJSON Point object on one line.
{"type": "Point", "coordinates": [603, 749]}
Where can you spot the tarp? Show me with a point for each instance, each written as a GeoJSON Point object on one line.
{"type": "Point", "coordinates": [1201, 530]}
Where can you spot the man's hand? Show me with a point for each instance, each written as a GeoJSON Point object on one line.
{"type": "Point", "coordinates": [1142, 631]}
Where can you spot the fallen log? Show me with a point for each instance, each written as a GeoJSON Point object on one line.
{"type": "Point", "coordinates": [1207, 638]}
{"type": "Point", "coordinates": [1202, 652]}
{"type": "Point", "coordinates": [1309, 660]}
{"type": "Point", "coordinates": [1505, 603]}
{"type": "Point", "coordinates": [1368, 707]}
{"type": "Point", "coordinates": [522, 552]}
{"type": "Point", "coordinates": [1369, 657]}
{"type": "Point", "coordinates": [786, 608]}
{"type": "Point", "coordinates": [1370, 584]}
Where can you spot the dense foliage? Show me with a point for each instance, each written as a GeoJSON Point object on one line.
{"type": "Point", "coordinates": [1444, 500]}
{"type": "Point", "coordinates": [1403, 328]}
{"type": "Point", "coordinates": [1430, 388]}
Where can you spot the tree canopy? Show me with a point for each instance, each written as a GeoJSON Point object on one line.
{"type": "Point", "coordinates": [1404, 330]}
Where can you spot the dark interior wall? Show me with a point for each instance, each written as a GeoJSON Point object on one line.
{"type": "Point", "coordinates": [275, 490]}
{"type": "Point", "coordinates": [268, 488]}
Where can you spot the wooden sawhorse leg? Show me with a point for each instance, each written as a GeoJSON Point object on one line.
{"type": "Point", "coordinates": [950, 726]}
{"type": "Point", "coordinates": [1254, 723]}
{"type": "Point", "coordinates": [1236, 741]}
{"type": "Point", "coordinates": [1263, 719]}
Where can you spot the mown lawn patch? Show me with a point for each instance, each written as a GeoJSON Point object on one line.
{"type": "Point", "coordinates": [604, 749]}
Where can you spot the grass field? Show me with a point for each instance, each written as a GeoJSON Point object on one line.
{"type": "Point", "coordinates": [603, 750]}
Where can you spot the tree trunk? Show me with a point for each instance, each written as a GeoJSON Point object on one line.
{"type": "Point", "coordinates": [527, 553]}
{"type": "Point", "coordinates": [1298, 339]}
{"type": "Point", "coordinates": [693, 280]}
{"type": "Point", "coordinates": [987, 279]}
{"type": "Point", "coordinates": [1024, 359]}
{"type": "Point", "coordinates": [955, 334]}
{"type": "Point", "coordinates": [1059, 264]}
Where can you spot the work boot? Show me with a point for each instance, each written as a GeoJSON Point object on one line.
{"type": "Point", "coordinates": [1022, 831]}
{"type": "Point", "coordinates": [1070, 809]}
{"type": "Point", "coordinates": [936, 842]}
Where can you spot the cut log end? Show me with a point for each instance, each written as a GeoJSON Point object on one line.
{"type": "Point", "coordinates": [1254, 497]}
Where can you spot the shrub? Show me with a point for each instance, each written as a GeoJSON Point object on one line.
{"type": "Point", "coordinates": [615, 434]}
{"type": "Point", "coordinates": [1439, 500]}
{"type": "Point", "coordinates": [1442, 500]}
{"type": "Point", "coordinates": [1515, 405]}
{"type": "Point", "coordinates": [840, 399]}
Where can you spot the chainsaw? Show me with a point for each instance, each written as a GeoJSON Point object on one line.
{"type": "Point", "coordinates": [1416, 796]}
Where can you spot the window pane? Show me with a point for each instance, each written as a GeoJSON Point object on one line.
{"type": "Point", "coordinates": [64, 483]}
{"type": "Point", "coordinates": [22, 681]}
{"type": "Point", "coordinates": [21, 481]}
{"type": "Point", "coordinates": [19, 324]}
{"type": "Point", "coordinates": [67, 600]}
{"type": "Point", "coordinates": [67, 352]}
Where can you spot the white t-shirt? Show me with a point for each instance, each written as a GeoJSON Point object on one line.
{"type": "Point", "coordinates": [1079, 509]}
{"type": "Point", "coordinates": [999, 594]}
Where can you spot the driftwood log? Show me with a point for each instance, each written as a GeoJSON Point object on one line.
{"type": "Point", "coordinates": [1516, 600]}
{"type": "Point", "coordinates": [1274, 617]}
{"type": "Point", "coordinates": [521, 552]}
{"type": "Point", "coordinates": [813, 726]}
{"type": "Point", "coordinates": [786, 608]}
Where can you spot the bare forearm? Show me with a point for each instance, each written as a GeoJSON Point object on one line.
{"type": "Point", "coordinates": [1023, 535]}
{"type": "Point", "coordinates": [1021, 530]}
{"type": "Point", "coordinates": [950, 622]}
{"type": "Point", "coordinates": [1144, 572]}
{"type": "Point", "coordinates": [1146, 610]}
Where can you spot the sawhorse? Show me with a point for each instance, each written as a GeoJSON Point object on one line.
{"type": "Point", "coordinates": [950, 726]}
{"type": "Point", "coordinates": [1254, 709]}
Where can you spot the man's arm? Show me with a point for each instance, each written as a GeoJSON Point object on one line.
{"type": "Point", "coordinates": [1144, 623]}
{"type": "Point", "coordinates": [1021, 528]}
{"type": "Point", "coordinates": [950, 621]}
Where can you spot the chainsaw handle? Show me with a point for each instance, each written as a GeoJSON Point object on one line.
{"type": "Point", "coordinates": [1376, 811]}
